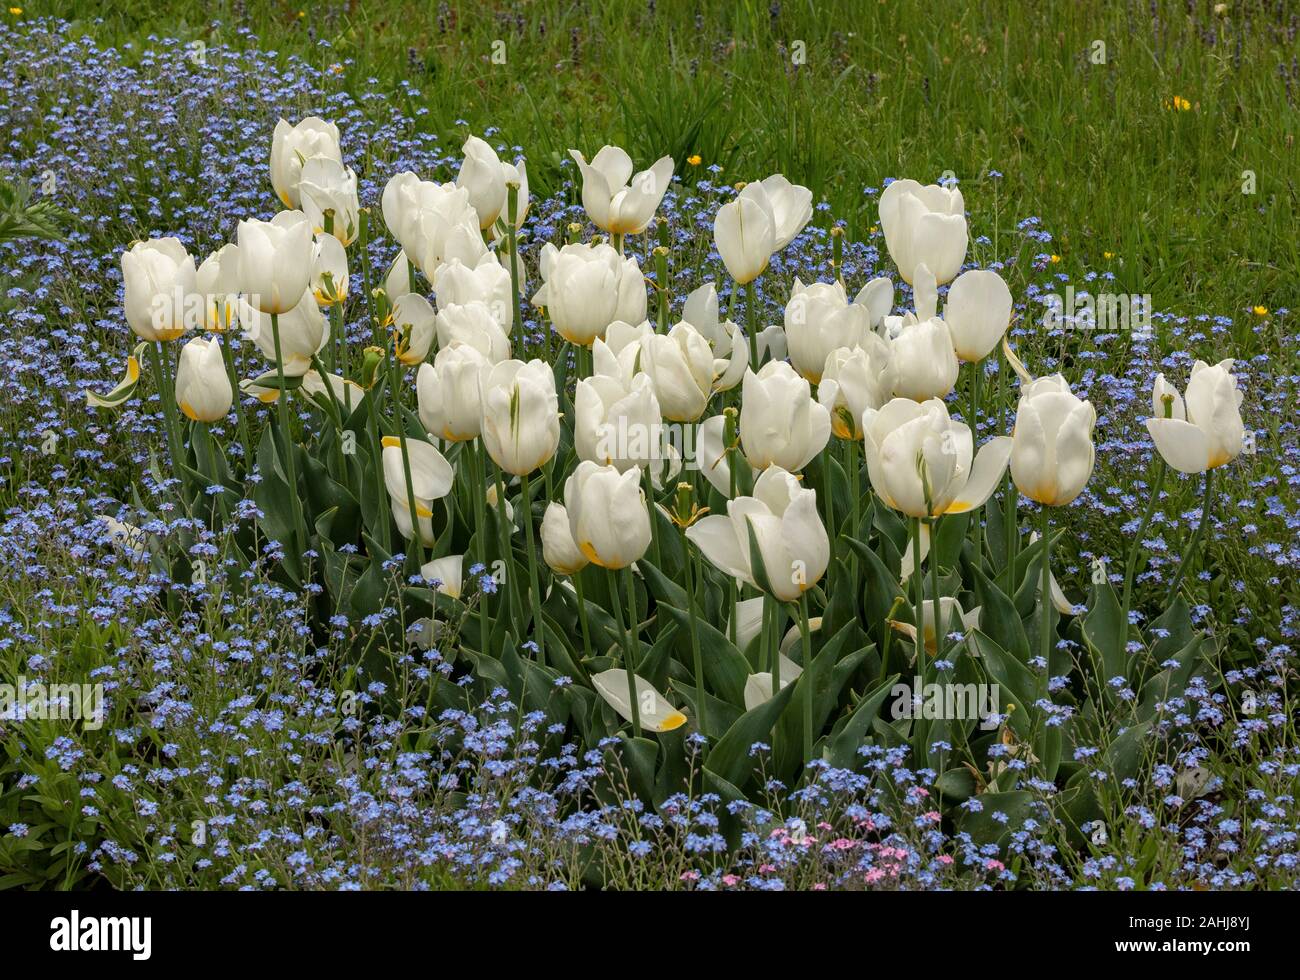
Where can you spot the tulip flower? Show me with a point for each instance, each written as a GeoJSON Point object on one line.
{"type": "Point", "coordinates": [681, 367]}
{"type": "Point", "coordinates": [923, 464]}
{"type": "Point", "coordinates": [397, 281]}
{"type": "Point", "coordinates": [329, 271]}
{"type": "Point", "coordinates": [780, 424]}
{"type": "Point", "coordinates": [293, 146]}
{"type": "Point", "coordinates": [925, 364]}
{"type": "Point", "coordinates": [587, 287]}
{"type": "Point", "coordinates": [782, 516]}
{"type": "Point", "coordinates": [1204, 431]}
{"type": "Point", "coordinates": [431, 479]}
{"type": "Point", "coordinates": [854, 380]}
{"type": "Point", "coordinates": [618, 425]}
{"type": "Point", "coordinates": [616, 201]}
{"type": "Point", "coordinates": [303, 332]}
{"type": "Point", "coordinates": [1052, 452]}
{"type": "Point", "coordinates": [772, 342]}
{"type": "Point", "coordinates": [763, 219]}
{"type": "Point", "coordinates": [332, 387]}
{"type": "Point", "coordinates": [521, 423]}
{"type": "Point", "coordinates": [203, 389]}
{"type": "Point", "coordinates": [455, 284]}
{"type": "Point", "coordinates": [414, 325]}
{"type": "Point", "coordinates": [924, 225]}
{"type": "Point", "coordinates": [877, 297]}
{"type": "Point", "coordinates": [446, 574]}
{"type": "Point", "coordinates": [329, 198]}
{"type": "Point", "coordinates": [448, 393]}
{"type": "Point", "coordinates": [728, 343]}
{"type": "Point", "coordinates": [159, 277]}
{"type": "Point", "coordinates": [977, 313]}
{"type": "Point", "coordinates": [818, 319]}
{"type": "Point", "coordinates": [474, 325]}
{"type": "Point", "coordinates": [434, 223]}
{"type": "Point", "coordinates": [483, 176]}
{"type": "Point", "coordinates": [651, 709]}
{"type": "Point", "coordinates": [951, 615]}
{"type": "Point", "coordinates": [559, 550]}
{"type": "Point", "coordinates": [276, 259]}
{"type": "Point", "coordinates": [217, 281]}
{"type": "Point", "coordinates": [608, 516]}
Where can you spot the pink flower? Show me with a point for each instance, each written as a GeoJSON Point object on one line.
{"type": "Point", "coordinates": [690, 876]}
{"type": "Point", "coordinates": [874, 875]}
{"type": "Point", "coordinates": [994, 865]}
{"type": "Point", "coordinates": [945, 859]}
{"type": "Point", "coordinates": [730, 880]}
{"type": "Point", "coordinates": [819, 886]}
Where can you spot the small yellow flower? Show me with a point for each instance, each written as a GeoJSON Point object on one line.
{"type": "Point", "coordinates": [1177, 103]}
{"type": "Point", "coordinates": [694, 160]}
{"type": "Point", "coordinates": [16, 11]}
{"type": "Point", "coordinates": [1107, 255]}
{"type": "Point", "coordinates": [336, 68]}
{"type": "Point", "coordinates": [302, 15]}
{"type": "Point", "coordinates": [1260, 311]}
{"type": "Point", "coordinates": [1055, 259]}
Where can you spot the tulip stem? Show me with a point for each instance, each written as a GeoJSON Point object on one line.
{"type": "Point", "coordinates": [977, 372]}
{"type": "Point", "coordinates": [1045, 588]}
{"type": "Point", "coordinates": [1207, 505]}
{"type": "Point", "coordinates": [695, 636]}
{"type": "Point", "coordinates": [479, 503]}
{"type": "Point", "coordinates": [534, 590]}
{"type": "Point", "coordinates": [918, 593]}
{"type": "Point", "coordinates": [770, 651]}
{"type": "Point", "coordinates": [1009, 499]}
{"type": "Point", "coordinates": [650, 506]}
{"type": "Point", "coordinates": [394, 385]}
{"type": "Point", "coordinates": [751, 319]}
{"type": "Point", "coordinates": [158, 361]}
{"type": "Point", "coordinates": [240, 420]}
{"type": "Point", "coordinates": [628, 666]}
{"type": "Point", "coordinates": [582, 615]}
{"type": "Point", "coordinates": [512, 243]}
{"type": "Point", "coordinates": [1130, 568]}
{"type": "Point", "coordinates": [936, 607]}
{"type": "Point", "coordinates": [851, 464]}
{"type": "Point", "coordinates": [806, 635]}
{"type": "Point", "coordinates": [507, 556]}
{"type": "Point", "coordinates": [290, 457]}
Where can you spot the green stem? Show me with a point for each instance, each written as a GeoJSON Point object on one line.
{"type": "Point", "coordinates": [918, 595]}
{"type": "Point", "coordinates": [582, 615]}
{"type": "Point", "coordinates": [977, 377]}
{"type": "Point", "coordinates": [512, 243]}
{"type": "Point", "coordinates": [936, 607]}
{"type": "Point", "coordinates": [806, 635]}
{"type": "Point", "coordinates": [290, 456]}
{"type": "Point", "coordinates": [628, 666]}
{"type": "Point", "coordinates": [695, 635]}
{"type": "Point", "coordinates": [241, 422]}
{"type": "Point", "coordinates": [479, 504]}
{"type": "Point", "coordinates": [1207, 505]}
{"type": "Point", "coordinates": [1044, 585]}
{"type": "Point", "coordinates": [534, 591]}
{"type": "Point", "coordinates": [751, 319]}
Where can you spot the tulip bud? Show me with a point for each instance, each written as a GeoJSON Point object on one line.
{"type": "Point", "coordinates": [159, 276]}
{"type": "Point", "coordinates": [977, 313]}
{"type": "Point", "coordinates": [780, 424]}
{"type": "Point", "coordinates": [203, 389]}
{"type": "Point", "coordinates": [608, 517]}
{"type": "Point", "coordinates": [521, 423]}
{"type": "Point", "coordinates": [681, 367]}
{"type": "Point", "coordinates": [275, 261]}
{"type": "Point", "coordinates": [559, 550]}
{"type": "Point", "coordinates": [1052, 454]}
{"type": "Point", "coordinates": [448, 393]}
{"type": "Point", "coordinates": [924, 225]}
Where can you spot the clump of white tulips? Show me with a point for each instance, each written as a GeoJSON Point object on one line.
{"type": "Point", "coordinates": [650, 523]}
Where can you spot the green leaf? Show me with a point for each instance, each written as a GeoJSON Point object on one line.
{"type": "Point", "coordinates": [842, 750]}
{"type": "Point", "coordinates": [730, 758]}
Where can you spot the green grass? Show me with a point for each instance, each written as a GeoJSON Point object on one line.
{"type": "Point", "coordinates": [888, 88]}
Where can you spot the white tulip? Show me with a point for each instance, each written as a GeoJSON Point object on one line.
{"type": "Point", "coordinates": [978, 312]}
{"type": "Point", "coordinates": [448, 393]}
{"type": "Point", "coordinates": [950, 613]}
{"type": "Point", "coordinates": [329, 196]}
{"type": "Point", "coordinates": [618, 425]}
{"type": "Point", "coordinates": [587, 287]}
{"type": "Point", "coordinates": [159, 276]}
{"type": "Point", "coordinates": [763, 219]}
{"type": "Point", "coordinates": [217, 281]}
{"type": "Point", "coordinates": [483, 176]}
{"type": "Point", "coordinates": [923, 464]}
{"type": "Point", "coordinates": [616, 201]}
{"type": "Point", "coordinates": [608, 516]}
{"type": "Point", "coordinates": [434, 223]}
{"type": "Point", "coordinates": [681, 367]}
{"type": "Point", "coordinates": [447, 573]}
{"type": "Point", "coordinates": [559, 550]}
{"type": "Point", "coordinates": [455, 284]}
{"type": "Point", "coordinates": [730, 357]}
{"type": "Point", "coordinates": [1205, 431]}
{"type": "Point", "coordinates": [653, 710]}
{"type": "Point", "coordinates": [303, 332]}
{"type": "Point", "coordinates": [818, 319]}
{"type": "Point", "coordinates": [333, 387]}
{"type": "Point", "coordinates": [329, 274]}
{"type": "Point", "coordinates": [924, 225]}
{"type": "Point", "coordinates": [854, 380]}
{"type": "Point", "coordinates": [780, 424]}
{"type": "Point", "coordinates": [276, 258]}
{"type": "Point", "coordinates": [1052, 453]}
{"type": "Point", "coordinates": [397, 282]}
{"type": "Point", "coordinates": [414, 326]}
{"type": "Point", "coordinates": [925, 364]}
{"type": "Point", "coordinates": [431, 479]}
{"type": "Point", "coordinates": [782, 517]}
{"type": "Point", "coordinates": [474, 325]}
{"type": "Point", "coordinates": [291, 146]}
{"type": "Point", "coordinates": [203, 389]}
{"type": "Point", "coordinates": [521, 422]}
